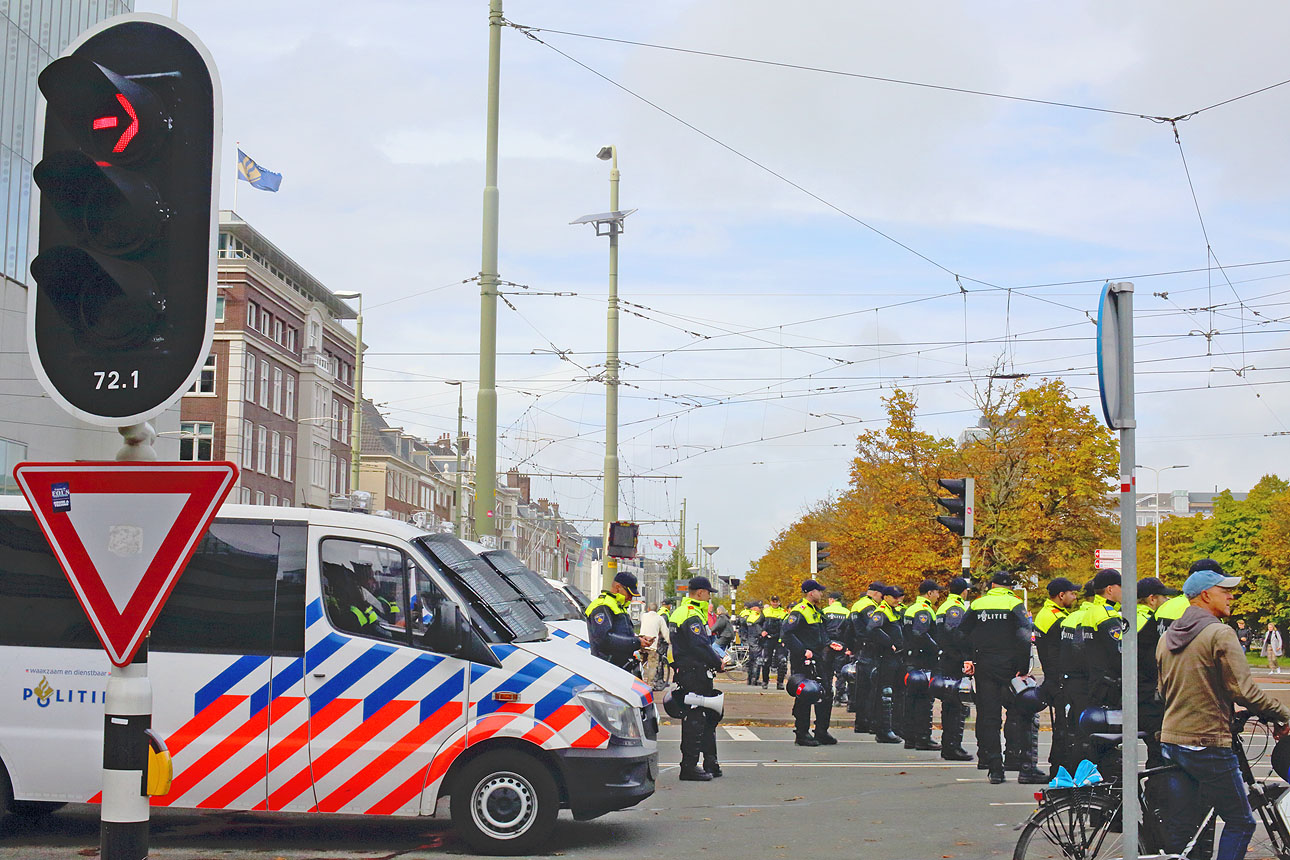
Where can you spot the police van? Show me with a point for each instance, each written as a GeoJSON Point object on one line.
{"type": "Point", "coordinates": [562, 616]}
{"type": "Point", "coordinates": [316, 661]}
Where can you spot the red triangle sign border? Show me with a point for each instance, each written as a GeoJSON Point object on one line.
{"type": "Point", "coordinates": [206, 485]}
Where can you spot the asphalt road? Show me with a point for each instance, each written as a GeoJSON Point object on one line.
{"type": "Point", "coordinates": [858, 798]}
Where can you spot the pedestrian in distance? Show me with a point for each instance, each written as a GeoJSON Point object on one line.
{"type": "Point", "coordinates": [1244, 634]}
{"type": "Point", "coordinates": [609, 626]}
{"type": "Point", "coordinates": [653, 626]}
{"type": "Point", "coordinates": [808, 644]}
{"type": "Point", "coordinates": [696, 660]}
{"type": "Point", "coordinates": [1272, 647]}
{"type": "Point", "coordinates": [1202, 676]}
{"type": "Point", "coordinates": [772, 649]}
{"type": "Point", "coordinates": [664, 646]}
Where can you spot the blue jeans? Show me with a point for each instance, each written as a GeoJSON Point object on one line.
{"type": "Point", "coordinates": [1210, 777]}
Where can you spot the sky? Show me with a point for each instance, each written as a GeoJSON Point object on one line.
{"type": "Point", "coordinates": [807, 236]}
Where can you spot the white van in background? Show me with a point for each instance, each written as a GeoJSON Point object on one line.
{"type": "Point", "coordinates": [316, 661]}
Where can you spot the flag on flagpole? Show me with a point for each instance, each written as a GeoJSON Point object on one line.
{"type": "Point", "coordinates": [249, 171]}
{"type": "Point", "coordinates": [669, 543]}
{"type": "Point", "coordinates": [658, 545]}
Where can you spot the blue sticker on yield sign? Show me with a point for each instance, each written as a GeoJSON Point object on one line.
{"type": "Point", "coordinates": [62, 497]}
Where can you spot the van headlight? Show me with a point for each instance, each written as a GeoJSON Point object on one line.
{"type": "Point", "coordinates": [621, 720]}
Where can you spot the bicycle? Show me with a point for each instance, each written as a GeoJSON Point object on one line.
{"type": "Point", "coordinates": [737, 662]}
{"type": "Point", "coordinates": [1083, 823]}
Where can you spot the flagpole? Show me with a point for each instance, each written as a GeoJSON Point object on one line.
{"type": "Point", "coordinates": [237, 177]}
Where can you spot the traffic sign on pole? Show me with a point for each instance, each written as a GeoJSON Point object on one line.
{"type": "Point", "coordinates": [123, 533]}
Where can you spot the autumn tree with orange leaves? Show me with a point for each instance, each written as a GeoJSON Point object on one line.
{"type": "Point", "coordinates": [1044, 471]}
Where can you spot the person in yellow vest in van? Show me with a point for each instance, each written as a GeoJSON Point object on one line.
{"type": "Point", "coordinates": [609, 626]}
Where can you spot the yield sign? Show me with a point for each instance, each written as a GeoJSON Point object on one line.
{"type": "Point", "coordinates": [123, 532]}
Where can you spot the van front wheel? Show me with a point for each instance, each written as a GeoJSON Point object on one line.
{"type": "Point", "coordinates": [505, 802]}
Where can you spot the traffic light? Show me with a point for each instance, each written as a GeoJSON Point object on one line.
{"type": "Point", "coordinates": [121, 315]}
{"type": "Point", "coordinates": [959, 504]}
{"type": "Point", "coordinates": [819, 552]}
{"type": "Point", "coordinates": [622, 539]}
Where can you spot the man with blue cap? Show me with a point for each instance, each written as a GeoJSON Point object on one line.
{"type": "Point", "coordinates": [1203, 673]}
{"type": "Point", "coordinates": [807, 643]}
{"type": "Point", "coordinates": [696, 660]}
{"type": "Point", "coordinates": [609, 626]}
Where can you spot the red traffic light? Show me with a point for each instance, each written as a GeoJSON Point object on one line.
{"type": "Point", "coordinates": [121, 121]}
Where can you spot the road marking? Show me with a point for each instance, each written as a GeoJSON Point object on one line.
{"type": "Point", "coordinates": [741, 733]}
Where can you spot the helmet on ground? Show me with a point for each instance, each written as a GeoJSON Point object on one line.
{"type": "Point", "coordinates": [672, 705]}
{"type": "Point", "coordinates": [918, 681]}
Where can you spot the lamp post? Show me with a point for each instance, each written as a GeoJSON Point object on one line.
{"type": "Point", "coordinates": [457, 512]}
{"type": "Point", "coordinates": [1158, 471]}
{"type": "Point", "coordinates": [356, 425]}
{"type": "Point", "coordinates": [610, 224]}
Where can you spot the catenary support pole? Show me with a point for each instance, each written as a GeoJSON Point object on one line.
{"type": "Point", "coordinates": [611, 378]}
{"type": "Point", "coordinates": [1128, 564]}
{"type": "Point", "coordinates": [486, 402]}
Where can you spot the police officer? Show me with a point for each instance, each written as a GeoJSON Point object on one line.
{"type": "Point", "coordinates": [753, 622]}
{"type": "Point", "coordinates": [695, 664]}
{"type": "Point", "coordinates": [885, 646]}
{"type": "Point", "coordinates": [1152, 594]}
{"type": "Point", "coordinates": [921, 652]}
{"type": "Point", "coordinates": [609, 626]}
{"type": "Point", "coordinates": [836, 619]}
{"type": "Point", "coordinates": [809, 645]}
{"type": "Point", "coordinates": [954, 711]}
{"type": "Point", "coordinates": [1062, 594]}
{"type": "Point", "coordinates": [866, 661]}
{"type": "Point", "coordinates": [772, 650]}
{"type": "Point", "coordinates": [1074, 692]}
{"type": "Point", "coordinates": [998, 631]}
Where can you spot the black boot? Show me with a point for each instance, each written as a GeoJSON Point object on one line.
{"type": "Point", "coordinates": [922, 717]}
{"type": "Point", "coordinates": [996, 773]}
{"type": "Point", "coordinates": [954, 718]}
{"type": "Point", "coordinates": [1013, 743]}
{"type": "Point", "coordinates": [692, 773]}
{"type": "Point", "coordinates": [882, 732]}
{"type": "Point", "coordinates": [1030, 774]}
{"type": "Point", "coordinates": [692, 725]}
{"type": "Point", "coordinates": [712, 766]}
{"type": "Point", "coordinates": [710, 763]}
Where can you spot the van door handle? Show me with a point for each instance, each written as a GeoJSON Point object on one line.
{"type": "Point", "coordinates": [320, 674]}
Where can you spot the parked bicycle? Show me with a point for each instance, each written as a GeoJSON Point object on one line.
{"type": "Point", "coordinates": [737, 665]}
{"type": "Point", "coordinates": [1084, 823]}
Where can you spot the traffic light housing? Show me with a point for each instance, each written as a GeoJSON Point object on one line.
{"type": "Point", "coordinates": [819, 554]}
{"type": "Point", "coordinates": [622, 539]}
{"type": "Point", "coordinates": [121, 315]}
{"type": "Point", "coordinates": [959, 503]}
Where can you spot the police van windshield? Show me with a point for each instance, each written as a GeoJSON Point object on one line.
{"type": "Point", "coordinates": [493, 600]}
{"type": "Point", "coordinates": [544, 599]}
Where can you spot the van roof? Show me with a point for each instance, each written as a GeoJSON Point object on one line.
{"type": "Point", "coordinates": [319, 516]}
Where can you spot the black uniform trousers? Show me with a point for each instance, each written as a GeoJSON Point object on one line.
{"type": "Point", "coordinates": [889, 675]}
{"type": "Point", "coordinates": [1074, 700]}
{"type": "Point", "coordinates": [773, 651]}
{"type": "Point", "coordinates": [754, 659]}
{"type": "Point", "coordinates": [698, 725]}
{"type": "Point", "coordinates": [1055, 696]}
{"type": "Point", "coordinates": [991, 679]}
{"type": "Point", "coordinates": [823, 708]}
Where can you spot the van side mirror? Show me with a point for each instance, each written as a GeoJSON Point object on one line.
{"type": "Point", "coordinates": [449, 633]}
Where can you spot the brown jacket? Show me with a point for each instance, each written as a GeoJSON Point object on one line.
{"type": "Point", "coordinates": [1203, 671]}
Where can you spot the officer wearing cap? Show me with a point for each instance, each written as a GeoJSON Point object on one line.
{"type": "Point", "coordinates": [772, 650]}
{"type": "Point", "coordinates": [609, 626]}
{"type": "Point", "coordinates": [695, 663]}
{"type": "Point", "coordinates": [954, 711]}
{"type": "Point", "coordinates": [1062, 594]}
{"type": "Point", "coordinates": [1106, 629]}
{"type": "Point", "coordinates": [998, 631]}
{"type": "Point", "coordinates": [836, 618]}
{"type": "Point", "coordinates": [921, 652]}
{"type": "Point", "coordinates": [885, 644]}
{"type": "Point", "coordinates": [808, 645]}
{"type": "Point", "coordinates": [1152, 594]}
{"type": "Point", "coordinates": [856, 642]}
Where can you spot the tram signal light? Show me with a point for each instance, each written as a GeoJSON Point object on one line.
{"type": "Point", "coordinates": [819, 554]}
{"type": "Point", "coordinates": [959, 503]}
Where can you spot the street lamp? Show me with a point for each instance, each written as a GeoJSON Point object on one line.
{"type": "Point", "coordinates": [457, 513]}
{"type": "Point", "coordinates": [1158, 471]}
{"type": "Point", "coordinates": [356, 428]}
{"type": "Point", "coordinates": [610, 224]}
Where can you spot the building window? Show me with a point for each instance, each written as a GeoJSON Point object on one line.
{"type": "Point", "coordinates": [335, 367]}
{"type": "Point", "coordinates": [11, 453]}
{"type": "Point", "coordinates": [320, 400]}
{"type": "Point", "coordinates": [252, 316]}
{"type": "Point", "coordinates": [344, 422]}
{"type": "Point", "coordinates": [264, 383]}
{"type": "Point", "coordinates": [250, 377]}
{"type": "Point", "coordinates": [205, 383]}
{"type": "Point", "coordinates": [288, 462]}
{"type": "Point", "coordinates": [315, 335]}
{"type": "Point", "coordinates": [219, 309]}
{"type": "Point", "coordinates": [344, 475]}
{"type": "Point", "coordinates": [291, 397]}
{"type": "Point", "coordinates": [291, 340]}
{"type": "Point", "coordinates": [266, 319]}
{"type": "Point", "coordinates": [335, 419]}
{"type": "Point", "coordinates": [277, 331]}
{"type": "Point", "coordinates": [197, 441]}
{"type": "Point", "coordinates": [318, 466]}
{"type": "Point", "coordinates": [275, 451]}
{"type": "Point", "coordinates": [261, 447]}
{"type": "Point", "coordinates": [246, 495]}
{"type": "Point", "coordinates": [277, 390]}
{"type": "Point", "coordinates": [248, 446]}
{"type": "Point", "coordinates": [334, 486]}
{"type": "Point", "coordinates": [259, 497]}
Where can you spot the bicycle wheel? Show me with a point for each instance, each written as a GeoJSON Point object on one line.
{"type": "Point", "coordinates": [1082, 825]}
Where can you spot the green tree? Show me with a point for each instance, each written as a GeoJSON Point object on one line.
{"type": "Point", "coordinates": [1230, 537]}
{"type": "Point", "coordinates": [1178, 537]}
{"type": "Point", "coordinates": [678, 568]}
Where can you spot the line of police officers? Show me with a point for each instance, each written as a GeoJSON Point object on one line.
{"type": "Point", "coordinates": [892, 660]}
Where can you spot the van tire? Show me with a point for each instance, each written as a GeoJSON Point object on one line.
{"type": "Point", "coordinates": [505, 802]}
